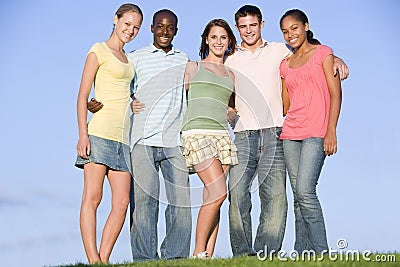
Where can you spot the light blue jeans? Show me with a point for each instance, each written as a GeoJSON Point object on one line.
{"type": "Point", "coordinates": [304, 161]}
{"type": "Point", "coordinates": [260, 153]}
{"type": "Point", "coordinates": [146, 163]}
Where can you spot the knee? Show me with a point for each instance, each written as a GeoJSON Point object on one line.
{"type": "Point", "coordinates": [144, 195]}
{"type": "Point", "coordinates": [91, 199]}
{"type": "Point", "coordinates": [236, 194]}
{"type": "Point", "coordinates": [120, 205]}
{"type": "Point", "coordinates": [305, 196]}
{"type": "Point", "coordinates": [218, 200]}
{"type": "Point", "coordinates": [222, 198]}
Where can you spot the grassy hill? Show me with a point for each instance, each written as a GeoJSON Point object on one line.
{"type": "Point", "coordinates": [349, 260]}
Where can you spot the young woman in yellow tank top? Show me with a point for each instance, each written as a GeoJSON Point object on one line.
{"type": "Point", "coordinates": [208, 148]}
{"type": "Point", "coordinates": [102, 147]}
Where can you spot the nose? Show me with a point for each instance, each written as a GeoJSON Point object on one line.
{"type": "Point", "coordinates": [248, 29]}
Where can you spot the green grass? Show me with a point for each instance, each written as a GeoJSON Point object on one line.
{"type": "Point", "coordinates": [385, 259]}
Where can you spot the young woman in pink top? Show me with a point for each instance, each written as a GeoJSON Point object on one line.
{"type": "Point", "coordinates": [311, 97]}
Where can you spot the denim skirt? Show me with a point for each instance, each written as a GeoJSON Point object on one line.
{"type": "Point", "coordinates": [115, 155]}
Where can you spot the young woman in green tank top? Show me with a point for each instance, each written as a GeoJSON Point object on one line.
{"type": "Point", "coordinates": [208, 147]}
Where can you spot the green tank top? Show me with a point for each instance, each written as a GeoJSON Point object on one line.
{"type": "Point", "coordinates": [208, 98]}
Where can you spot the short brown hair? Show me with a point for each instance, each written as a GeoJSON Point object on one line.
{"type": "Point", "coordinates": [248, 10]}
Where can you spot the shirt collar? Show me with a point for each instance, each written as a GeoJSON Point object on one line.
{"type": "Point", "coordinates": [151, 48]}
{"type": "Point", "coordinates": [242, 48]}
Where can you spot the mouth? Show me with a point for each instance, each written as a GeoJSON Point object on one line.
{"type": "Point", "coordinates": [128, 35]}
{"type": "Point", "coordinates": [164, 39]}
{"type": "Point", "coordinates": [219, 47]}
{"type": "Point", "coordinates": [291, 41]}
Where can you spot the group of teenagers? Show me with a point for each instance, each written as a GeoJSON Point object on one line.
{"type": "Point", "coordinates": [282, 102]}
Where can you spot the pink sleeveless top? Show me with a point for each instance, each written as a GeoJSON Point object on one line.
{"type": "Point", "coordinates": [309, 96]}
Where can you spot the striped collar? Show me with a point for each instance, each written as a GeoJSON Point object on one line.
{"type": "Point", "coordinates": [152, 49]}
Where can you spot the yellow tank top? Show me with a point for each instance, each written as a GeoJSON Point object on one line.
{"type": "Point", "coordinates": [112, 88]}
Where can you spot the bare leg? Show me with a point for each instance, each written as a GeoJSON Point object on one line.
{"type": "Point", "coordinates": [92, 193]}
{"type": "Point", "coordinates": [212, 175]}
{"type": "Point", "coordinates": [120, 183]}
{"type": "Point", "coordinates": [213, 238]}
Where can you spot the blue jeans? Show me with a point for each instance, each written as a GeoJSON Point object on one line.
{"type": "Point", "coordinates": [146, 163]}
{"type": "Point", "coordinates": [304, 161]}
{"type": "Point", "coordinates": [260, 153]}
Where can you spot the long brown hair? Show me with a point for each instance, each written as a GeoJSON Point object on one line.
{"type": "Point", "coordinates": [204, 49]}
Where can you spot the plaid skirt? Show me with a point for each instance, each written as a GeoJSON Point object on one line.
{"type": "Point", "coordinates": [201, 147]}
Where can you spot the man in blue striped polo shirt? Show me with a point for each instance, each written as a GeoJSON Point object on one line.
{"type": "Point", "coordinates": [159, 107]}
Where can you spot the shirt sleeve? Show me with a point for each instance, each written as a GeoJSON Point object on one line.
{"type": "Point", "coordinates": [96, 48]}
{"type": "Point", "coordinates": [133, 86]}
{"type": "Point", "coordinates": [283, 68]}
{"type": "Point", "coordinates": [133, 59]}
{"type": "Point", "coordinates": [324, 51]}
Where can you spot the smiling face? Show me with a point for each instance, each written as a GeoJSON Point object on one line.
{"type": "Point", "coordinates": [218, 41]}
{"type": "Point", "coordinates": [249, 28]}
{"type": "Point", "coordinates": [164, 30]}
{"type": "Point", "coordinates": [294, 31]}
{"type": "Point", "coordinates": [127, 26]}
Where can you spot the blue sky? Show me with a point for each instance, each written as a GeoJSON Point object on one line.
{"type": "Point", "coordinates": [43, 49]}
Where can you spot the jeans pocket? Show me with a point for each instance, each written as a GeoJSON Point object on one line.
{"type": "Point", "coordinates": [242, 135]}
{"type": "Point", "coordinates": [277, 131]}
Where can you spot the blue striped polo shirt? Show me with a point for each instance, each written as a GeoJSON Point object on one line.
{"type": "Point", "coordinates": [159, 84]}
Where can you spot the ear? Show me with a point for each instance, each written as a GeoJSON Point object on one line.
{"type": "Point", "coordinates": [236, 27]}
{"type": "Point", "coordinates": [307, 27]}
{"type": "Point", "coordinates": [206, 41]}
{"type": "Point", "coordinates": [262, 24]}
{"type": "Point", "coordinates": [115, 19]}
{"type": "Point", "coordinates": [176, 30]}
{"type": "Point", "coordinates": [152, 28]}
